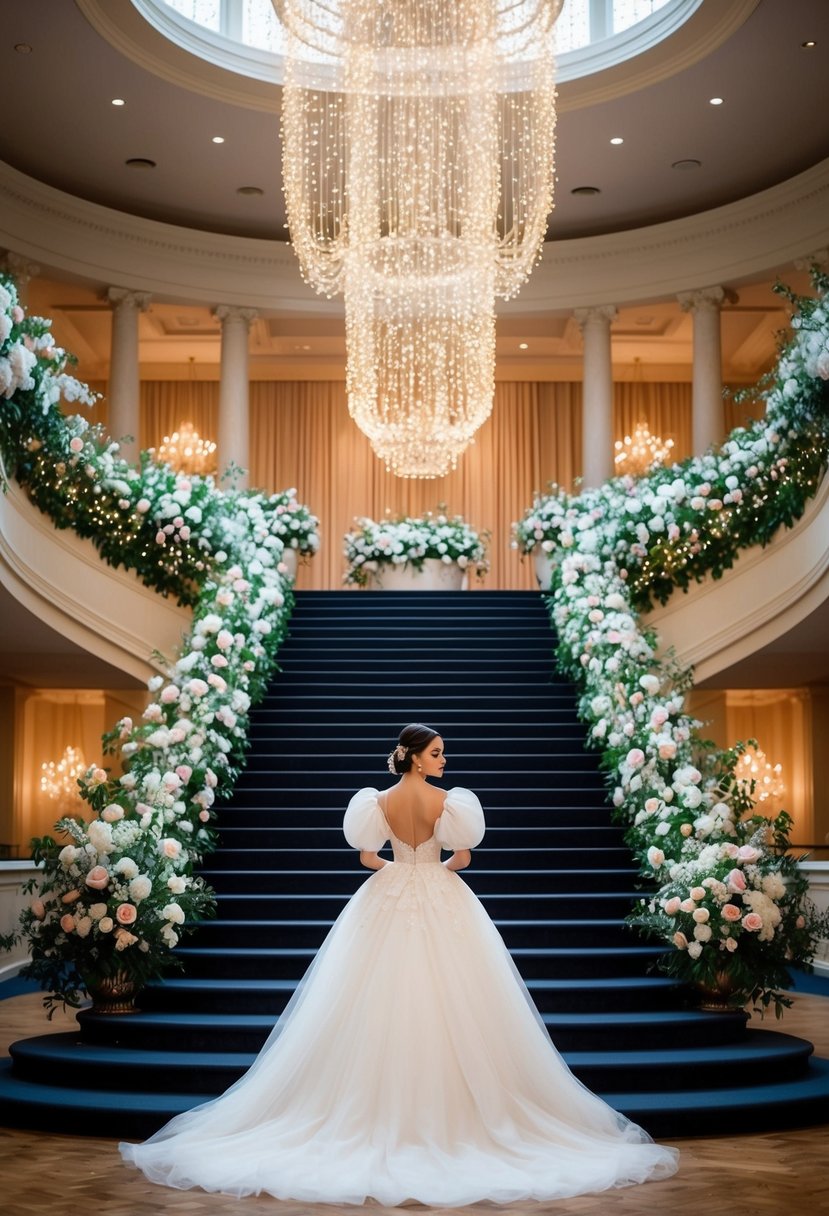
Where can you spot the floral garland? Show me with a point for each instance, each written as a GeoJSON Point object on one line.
{"type": "Point", "coordinates": [407, 541]}
{"type": "Point", "coordinates": [118, 897]}
{"type": "Point", "coordinates": [731, 901]}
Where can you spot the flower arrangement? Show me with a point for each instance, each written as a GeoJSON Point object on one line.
{"type": "Point", "coordinates": [294, 524]}
{"type": "Point", "coordinates": [730, 899]}
{"type": "Point", "coordinates": [118, 896]}
{"type": "Point", "coordinates": [406, 541]}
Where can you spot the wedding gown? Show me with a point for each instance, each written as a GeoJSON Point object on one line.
{"type": "Point", "coordinates": [410, 1064]}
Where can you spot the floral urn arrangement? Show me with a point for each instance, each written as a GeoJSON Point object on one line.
{"type": "Point", "coordinates": [117, 887]}
{"type": "Point", "coordinates": [725, 895]}
{"type": "Point", "coordinates": [431, 552]}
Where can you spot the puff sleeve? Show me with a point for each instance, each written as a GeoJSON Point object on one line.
{"type": "Point", "coordinates": [461, 825]}
{"type": "Point", "coordinates": [364, 825]}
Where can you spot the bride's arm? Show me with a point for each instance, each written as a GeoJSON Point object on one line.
{"type": "Point", "coordinates": [372, 861]}
{"type": "Point", "coordinates": [459, 860]}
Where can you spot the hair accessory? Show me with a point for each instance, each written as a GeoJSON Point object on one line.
{"type": "Point", "coordinates": [399, 753]}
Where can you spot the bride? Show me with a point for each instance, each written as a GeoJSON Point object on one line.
{"type": "Point", "coordinates": [411, 1062]}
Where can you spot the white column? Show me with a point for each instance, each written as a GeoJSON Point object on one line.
{"type": "Point", "coordinates": [124, 396]}
{"type": "Point", "coordinates": [23, 271]}
{"type": "Point", "coordinates": [597, 393]}
{"type": "Point", "coordinates": [233, 439]}
{"type": "Point", "coordinates": [708, 419]}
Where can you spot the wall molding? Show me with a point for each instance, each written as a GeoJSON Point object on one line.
{"type": "Point", "coordinates": [743, 240]}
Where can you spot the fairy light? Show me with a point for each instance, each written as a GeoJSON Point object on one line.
{"type": "Point", "coordinates": [59, 778]}
{"type": "Point", "coordinates": [767, 778]}
{"type": "Point", "coordinates": [418, 175]}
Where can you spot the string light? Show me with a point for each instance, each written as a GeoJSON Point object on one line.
{"type": "Point", "coordinates": [59, 778]}
{"type": "Point", "coordinates": [418, 172]}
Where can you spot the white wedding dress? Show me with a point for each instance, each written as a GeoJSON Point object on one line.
{"type": "Point", "coordinates": [410, 1064]}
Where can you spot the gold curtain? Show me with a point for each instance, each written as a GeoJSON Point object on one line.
{"type": "Point", "coordinates": [781, 722]}
{"type": "Point", "coordinates": [52, 721]}
{"type": "Point", "coordinates": [166, 404]}
{"type": "Point", "coordinates": [302, 435]}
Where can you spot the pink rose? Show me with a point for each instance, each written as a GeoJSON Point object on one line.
{"type": "Point", "coordinates": [673, 905]}
{"type": "Point", "coordinates": [216, 681]}
{"type": "Point", "coordinates": [735, 880]}
{"type": "Point", "coordinates": [169, 694]}
{"type": "Point", "coordinates": [99, 775]}
{"type": "Point", "coordinates": [185, 772]}
{"type": "Point", "coordinates": [67, 923]}
{"type": "Point", "coordinates": [169, 848]}
{"type": "Point", "coordinates": [635, 758]}
{"type": "Point", "coordinates": [112, 813]}
{"type": "Point", "coordinates": [76, 444]}
{"type": "Point", "coordinates": [224, 639]}
{"type": "Point", "coordinates": [218, 660]}
{"type": "Point", "coordinates": [730, 912]}
{"type": "Point", "coordinates": [686, 829]}
{"type": "Point", "coordinates": [747, 853]}
{"type": "Point", "coordinates": [123, 939]}
{"type": "Point", "coordinates": [142, 506]}
{"type": "Point", "coordinates": [160, 537]}
{"type": "Point", "coordinates": [38, 909]}
{"type": "Point", "coordinates": [680, 941]}
{"type": "Point", "coordinates": [70, 897]}
{"type": "Point", "coordinates": [204, 816]}
{"type": "Point", "coordinates": [800, 923]}
{"type": "Point", "coordinates": [659, 717]}
{"type": "Point", "coordinates": [98, 878]}
{"type": "Point", "coordinates": [667, 749]}
{"type": "Point", "coordinates": [688, 905]}
{"type": "Point", "coordinates": [652, 805]}
{"type": "Point", "coordinates": [126, 914]}
{"type": "Point", "coordinates": [752, 921]}
{"type": "Point", "coordinates": [697, 893]}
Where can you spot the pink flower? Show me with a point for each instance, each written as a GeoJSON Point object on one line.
{"type": "Point", "coordinates": [667, 749]}
{"type": "Point", "coordinates": [67, 923]}
{"type": "Point", "coordinates": [747, 852]}
{"type": "Point", "coordinates": [70, 897]}
{"type": "Point", "coordinates": [160, 537]}
{"type": "Point", "coordinates": [112, 813]}
{"type": "Point", "coordinates": [169, 694]}
{"type": "Point", "coordinates": [99, 775]}
{"type": "Point", "coordinates": [655, 857]}
{"type": "Point", "coordinates": [697, 893]}
{"type": "Point", "coordinates": [686, 829]}
{"type": "Point", "coordinates": [98, 878]}
{"type": "Point", "coordinates": [204, 816]}
{"type": "Point", "coordinates": [76, 444]}
{"type": "Point", "coordinates": [123, 939]}
{"type": "Point", "coordinates": [224, 639]}
{"type": "Point", "coordinates": [216, 681]}
{"type": "Point", "coordinates": [196, 687]}
{"type": "Point", "coordinates": [659, 717]}
{"type": "Point", "coordinates": [219, 660]}
{"type": "Point", "coordinates": [673, 905]}
{"type": "Point", "coordinates": [185, 772]}
{"type": "Point", "coordinates": [142, 506]}
{"type": "Point", "coordinates": [752, 921]}
{"type": "Point", "coordinates": [680, 941]}
{"type": "Point", "coordinates": [635, 758]}
{"type": "Point", "coordinates": [126, 914]}
{"type": "Point", "coordinates": [730, 912]}
{"type": "Point", "coordinates": [169, 848]}
{"type": "Point", "coordinates": [735, 880]}
{"type": "Point", "coordinates": [688, 905]}
{"type": "Point", "coordinates": [38, 909]}
{"type": "Point", "coordinates": [652, 805]}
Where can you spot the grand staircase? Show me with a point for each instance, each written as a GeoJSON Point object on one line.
{"type": "Point", "coordinates": [553, 872]}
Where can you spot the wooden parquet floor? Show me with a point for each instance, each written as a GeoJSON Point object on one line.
{"type": "Point", "coordinates": [781, 1174]}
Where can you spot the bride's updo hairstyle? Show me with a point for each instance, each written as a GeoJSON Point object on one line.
{"type": "Point", "coordinates": [411, 742]}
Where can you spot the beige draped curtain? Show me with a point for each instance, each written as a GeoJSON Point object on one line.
{"type": "Point", "coordinates": [301, 435]}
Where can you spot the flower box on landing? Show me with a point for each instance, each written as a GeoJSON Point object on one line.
{"type": "Point", "coordinates": [433, 575]}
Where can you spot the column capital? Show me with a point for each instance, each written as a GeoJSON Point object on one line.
{"type": "Point", "coordinates": [122, 297]}
{"type": "Point", "coordinates": [20, 267]}
{"type": "Point", "coordinates": [231, 312]}
{"type": "Point", "coordinates": [706, 299]}
{"type": "Point", "coordinates": [596, 312]}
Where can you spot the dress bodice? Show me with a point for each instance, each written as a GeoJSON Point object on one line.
{"type": "Point", "coordinates": [426, 853]}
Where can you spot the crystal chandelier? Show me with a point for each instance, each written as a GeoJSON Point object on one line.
{"type": "Point", "coordinates": [637, 453]}
{"type": "Point", "coordinates": [186, 451]}
{"type": "Point", "coordinates": [59, 778]}
{"type": "Point", "coordinates": [418, 144]}
{"type": "Point", "coordinates": [753, 766]}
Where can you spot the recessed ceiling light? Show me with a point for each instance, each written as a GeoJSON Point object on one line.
{"type": "Point", "coordinates": [690, 163]}
{"type": "Point", "coordinates": [118, 101]}
{"type": "Point", "coordinates": [23, 48]}
{"type": "Point", "coordinates": [715, 101]}
{"type": "Point", "coordinates": [807, 45]}
{"type": "Point", "coordinates": [523, 345]}
{"type": "Point", "coordinates": [250, 190]}
{"type": "Point", "coordinates": [585, 190]}
{"type": "Point", "coordinates": [617, 139]}
{"type": "Point", "coordinates": [218, 139]}
{"type": "Point", "coordinates": [140, 162]}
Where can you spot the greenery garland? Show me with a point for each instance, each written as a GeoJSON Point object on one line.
{"type": "Point", "coordinates": [117, 898]}
{"type": "Point", "coordinates": [731, 899]}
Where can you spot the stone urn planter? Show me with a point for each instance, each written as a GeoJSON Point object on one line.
{"type": "Point", "coordinates": [433, 575]}
{"type": "Point", "coordinates": [543, 568]}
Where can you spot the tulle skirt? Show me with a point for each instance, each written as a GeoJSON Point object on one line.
{"type": "Point", "coordinates": [410, 1064]}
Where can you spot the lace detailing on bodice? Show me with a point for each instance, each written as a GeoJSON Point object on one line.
{"type": "Point", "coordinates": [426, 853]}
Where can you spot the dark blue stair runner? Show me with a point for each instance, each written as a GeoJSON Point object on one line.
{"type": "Point", "coordinates": [553, 872]}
